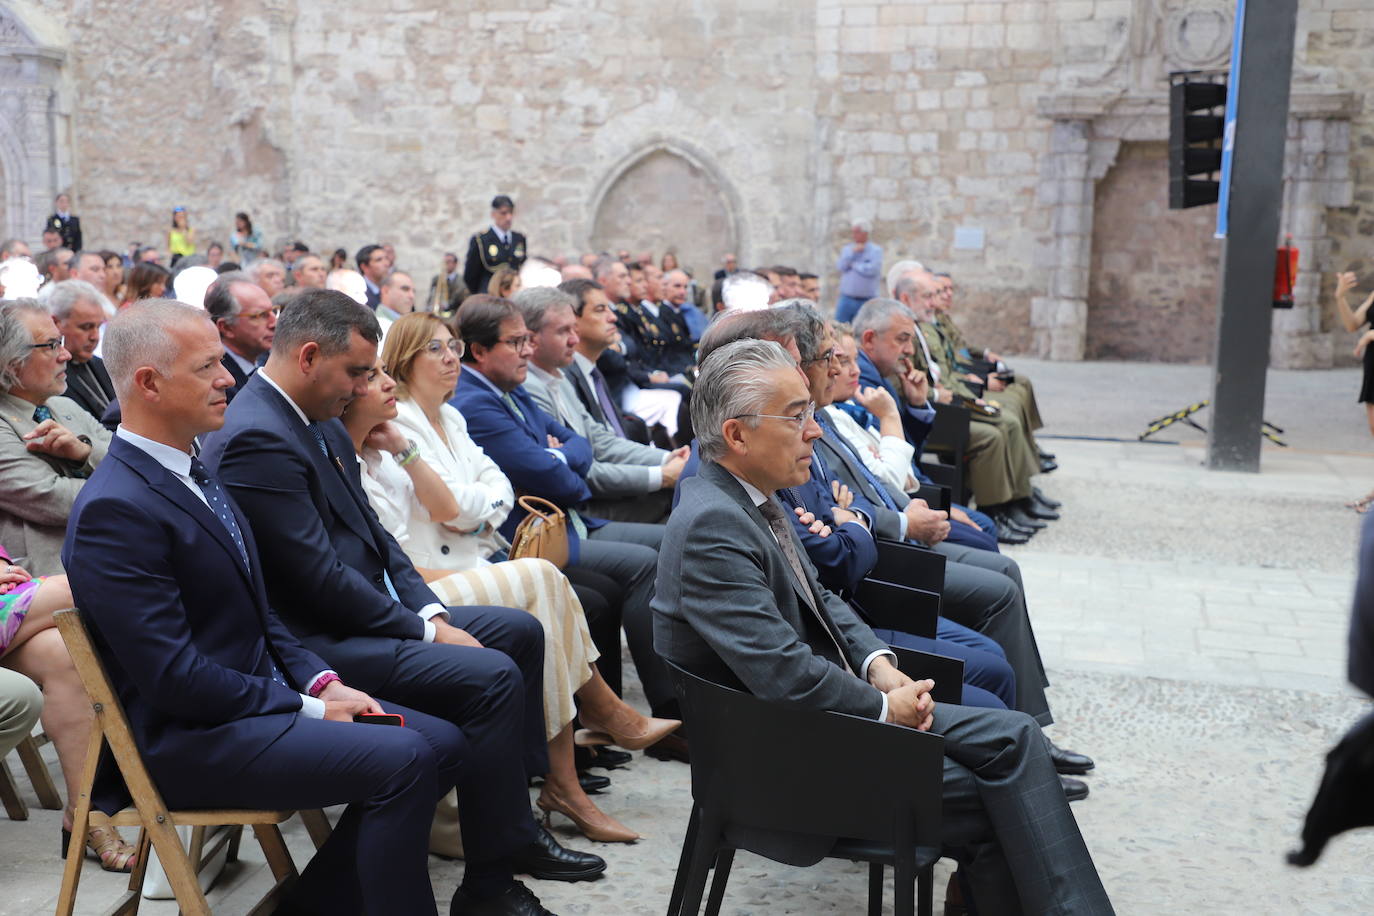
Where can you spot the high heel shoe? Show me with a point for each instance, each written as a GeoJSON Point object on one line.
{"type": "Point", "coordinates": [653, 731]}
{"type": "Point", "coordinates": [609, 831]}
{"type": "Point", "coordinates": [109, 847]}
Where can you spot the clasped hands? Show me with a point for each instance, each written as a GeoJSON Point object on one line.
{"type": "Point", "coordinates": [908, 701]}
{"type": "Point", "coordinates": [52, 438]}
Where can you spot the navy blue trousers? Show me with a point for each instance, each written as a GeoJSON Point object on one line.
{"type": "Point", "coordinates": [988, 679]}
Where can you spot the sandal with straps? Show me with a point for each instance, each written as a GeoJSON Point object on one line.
{"type": "Point", "coordinates": [109, 847]}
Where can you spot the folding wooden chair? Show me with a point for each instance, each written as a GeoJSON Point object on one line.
{"type": "Point", "coordinates": [149, 813]}
{"type": "Point", "coordinates": [43, 786]}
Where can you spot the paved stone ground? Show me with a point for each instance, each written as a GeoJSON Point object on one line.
{"type": "Point", "coordinates": [1192, 622]}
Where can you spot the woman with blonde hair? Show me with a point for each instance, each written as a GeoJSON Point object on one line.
{"type": "Point", "coordinates": [442, 498]}
{"type": "Point", "coordinates": [505, 282]}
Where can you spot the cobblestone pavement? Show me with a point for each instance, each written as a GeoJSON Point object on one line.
{"type": "Point", "coordinates": [1193, 625]}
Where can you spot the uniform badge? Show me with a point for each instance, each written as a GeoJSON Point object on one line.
{"type": "Point", "coordinates": [519, 251]}
{"type": "Point", "coordinates": [492, 250]}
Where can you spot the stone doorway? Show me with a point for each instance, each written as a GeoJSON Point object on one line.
{"type": "Point", "coordinates": [664, 200]}
{"type": "Point", "coordinates": [1152, 289]}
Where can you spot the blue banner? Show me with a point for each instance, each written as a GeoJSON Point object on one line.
{"type": "Point", "coordinates": [1228, 141]}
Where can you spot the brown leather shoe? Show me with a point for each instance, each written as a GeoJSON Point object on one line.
{"type": "Point", "coordinates": [673, 747]}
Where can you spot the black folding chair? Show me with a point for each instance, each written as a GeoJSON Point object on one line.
{"type": "Point", "coordinates": [760, 765]}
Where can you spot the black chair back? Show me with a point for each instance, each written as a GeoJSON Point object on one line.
{"type": "Point", "coordinates": [897, 607]}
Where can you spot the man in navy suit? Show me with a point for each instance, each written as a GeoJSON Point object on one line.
{"type": "Point", "coordinates": [544, 458]}
{"type": "Point", "coordinates": [227, 707]}
{"type": "Point", "coordinates": [349, 592]}
{"type": "Point", "coordinates": [246, 320]}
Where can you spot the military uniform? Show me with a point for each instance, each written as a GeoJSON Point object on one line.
{"type": "Point", "coordinates": [1020, 392]}
{"type": "Point", "coordinates": [69, 228]}
{"type": "Point", "coordinates": [1002, 452]}
{"type": "Point", "coordinates": [486, 252]}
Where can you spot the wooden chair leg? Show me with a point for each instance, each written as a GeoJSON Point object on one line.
{"type": "Point", "coordinates": [9, 794]}
{"type": "Point", "coordinates": [34, 765]}
{"type": "Point", "coordinates": [235, 837]}
{"type": "Point", "coordinates": [128, 906]}
{"type": "Point", "coordinates": [181, 874]}
{"type": "Point", "coordinates": [196, 850]}
{"type": "Point", "coordinates": [317, 825]}
{"type": "Point", "coordinates": [76, 849]}
{"type": "Point", "coordinates": [274, 849]}
{"type": "Point", "coordinates": [724, 860]}
{"type": "Point", "coordinates": [875, 889]}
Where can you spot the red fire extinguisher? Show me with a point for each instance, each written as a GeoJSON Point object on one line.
{"type": "Point", "coordinates": [1285, 274]}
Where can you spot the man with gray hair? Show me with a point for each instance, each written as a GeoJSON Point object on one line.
{"type": "Point", "coordinates": [79, 309]}
{"type": "Point", "coordinates": [268, 273]}
{"type": "Point", "coordinates": [247, 323]}
{"type": "Point", "coordinates": [745, 290]}
{"type": "Point", "coordinates": [630, 482]}
{"type": "Point", "coordinates": [48, 444]}
{"type": "Point", "coordinates": [779, 634]}
{"type": "Point", "coordinates": [860, 265]}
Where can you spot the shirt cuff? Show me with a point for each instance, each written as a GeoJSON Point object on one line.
{"type": "Point", "coordinates": [313, 707]}
{"type": "Point", "coordinates": [876, 653]}
{"type": "Point", "coordinates": [434, 609]}
{"type": "Point", "coordinates": [882, 714]}
{"type": "Point", "coordinates": [557, 454]}
{"type": "Point", "coordinates": [655, 478]}
{"type": "Point", "coordinates": [901, 526]}
{"type": "Point", "coordinates": [431, 631]}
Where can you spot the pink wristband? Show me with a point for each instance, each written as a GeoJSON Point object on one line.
{"type": "Point", "coordinates": [323, 681]}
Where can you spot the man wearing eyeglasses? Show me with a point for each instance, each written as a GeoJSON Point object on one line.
{"type": "Point", "coordinates": [246, 320]}
{"type": "Point", "coordinates": [48, 444]}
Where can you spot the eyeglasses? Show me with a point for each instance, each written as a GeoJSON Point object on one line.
{"type": "Point", "coordinates": [453, 345]}
{"type": "Point", "coordinates": [49, 345]}
{"type": "Point", "coordinates": [827, 357]}
{"type": "Point", "coordinates": [516, 343]}
{"type": "Point", "coordinates": [801, 419]}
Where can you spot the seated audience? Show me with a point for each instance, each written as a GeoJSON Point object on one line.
{"type": "Point", "coordinates": [784, 636]}
{"type": "Point", "coordinates": [682, 312]}
{"type": "Point", "coordinates": [228, 709]}
{"type": "Point", "coordinates": [504, 282]}
{"type": "Point", "coordinates": [246, 320]}
{"type": "Point", "coordinates": [634, 388]}
{"type": "Point", "coordinates": [89, 266]}
{"type": "Point", "coordinates": [54, 265]}
{"type": "Point", "coordinates": [79, 310]}
{"type": "Point", "coordinates": [597, 333]}
{"type": "Point", "coordinates": [349, 592]}
{"type": "Point", "coordinates": [268, 273]}
{"type": "Point", "coordinates": [447, 290]}
{"type": "Point", "coordinates": [308, 272]}
{"type": "Point", "coordinates": [21, 704]}
{"type": "Point", "coordinates": [629, 481]}
{"type": "Point", "coordinates": [374, 265]}
{"type": "Point", "coordinates": [147, 280]}
{"type": "Point", "coordinates": [398, 299]}
{"type": "Point", "coordinates": [48, 444]}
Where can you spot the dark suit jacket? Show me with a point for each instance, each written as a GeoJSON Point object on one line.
{"type": "Point", "coordinates": [240, 378]}
{"type": "Point", "coordinates": [635, 428]}
{"type": "Point", "coordinates": [850, 553]}
{"type": "Point", "coordinates": [914, 424]}
{"type": "Point", "coordinates": [69, 228]}
{"type": "Point", "coordinates": [323, 549]}
{"type": "Point", "coordinates": [80, 382]}
{"type": "Point", "coordinates": [183, 626]}
{"type": "Point", "coordinates": [486, 252]}
{"type": "Point", "coordinates": [519, 446]}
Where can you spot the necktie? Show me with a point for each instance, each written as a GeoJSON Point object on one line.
{"type": "Point", "coordinates": [856, 462]}
{"type": "Point", "coordinates": [782, 531]}
{"type": "Point", "coordinates": [324, 449]}
{"type": "Point", "coordinates": [514, 407]}
{"type": "Point", "coordinates": [219, 504]}
{"type": "Point", "coordinates": [603, 398]}
{"type": "Point", "coordinates": [41, 413]}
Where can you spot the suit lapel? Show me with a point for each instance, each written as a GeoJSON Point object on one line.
{"type": "Point", "coordinates": [838, 450]}
{"type": "Point", "coordinates": [584, 392]}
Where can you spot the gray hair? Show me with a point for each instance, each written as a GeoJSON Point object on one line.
{"type": "Point", "coordinates": [327, 317]}
{"type": "Point", "coordinates": [604, 265]}
{"type": "Point", "coordinates": [729, 327]}
{"type": "Point", "coordinates": [536, 302]}
{"type": "Point", "coordinates": [65, 295]}
{"type": "Point", "coordinates": [728, 387]}
{"type": "Point", "coordinates": [9, 246]}
{"type": "Point", "coordinates": [255, 269]}
{"type": "Point", "coordinates": [863, 224]}
{"type": "Point", "coordinates": [807, 325]}
{"type": "Point", "coordinates": [895, 272]}
{"type": "Point", "coordinates": [906, 285]}
{"type": "Point", "coordinates": [15, 338]}
{"type": "Point", "coordinates": [220, 301]}
{"type": "Point", "coordinates": [744, 289]}
{"type": "Point", "coordinates": [141, 335]}
{"type": "Point", "coordinates": [877, 314]}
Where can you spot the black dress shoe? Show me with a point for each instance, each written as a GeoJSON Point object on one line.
{"type": "Point", "coordinates": [592, 783]}
{"type": "Point", "coordinates": [673, 747]}
{"type": "Point", "coordinates": [1046, 456]}
{"type": "Point", "coordinates": [1074, 789]}
{"type": "Point", "coordinates": [545, 859]}
{"type": "Point", "coordinates": [1070, 762]}
{"type": "Point", "coordinates": [1032, 508]}
{"type": "Point", "coordinates": [608, 758]}
{"type": "Point", "coordinates": [518, 900]}
{"type": "Point", "coordinates": [1046, 466]}
{"type": "Point", "coordinates": [1006, 534]}
{"type": "Point", "coordinates": [1023, 520]}
{"type": "Point", "coordinates": [1006, 525]}
{"type": "Point", "coordinates": [1044, 500]}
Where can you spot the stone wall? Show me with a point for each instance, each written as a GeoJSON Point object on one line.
{"type": "Point", "coordinates": [974, 133]}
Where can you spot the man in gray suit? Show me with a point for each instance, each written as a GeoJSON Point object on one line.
{"type": "Point", "coordinates": [776, 632]}
{"type": "Point", "coordinates": [630, 482]}
{"type": "Point", "coordinates": [48, 444]}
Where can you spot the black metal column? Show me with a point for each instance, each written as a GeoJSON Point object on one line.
{"type": "Point", "coordinates": [1247, 274]}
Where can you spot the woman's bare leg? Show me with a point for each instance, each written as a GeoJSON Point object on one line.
{"type": "Point", "coordinates": [563, 793]}
{"type": "Point", "coordinates": [67, 713]}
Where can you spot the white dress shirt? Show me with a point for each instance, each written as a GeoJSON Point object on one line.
{"type": "Point", "coordinates": [178, 464]}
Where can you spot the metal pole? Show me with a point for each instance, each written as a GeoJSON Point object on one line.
{"type": "Point", "coordinates": [1247, 273]}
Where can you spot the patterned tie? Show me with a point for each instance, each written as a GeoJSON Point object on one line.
{"type": "Point", "coordinates": [514, 407]}
{"type": "Point", "coordinates": [41, 413]}
{"type": "Point", "coordinates": [219, 504]}
{"type": "Point", "coordinates": [324, 449]}
{"type": "Point", "coordinates": [603, 398]}
{"type": "Point", "coordinates": [856, 462]}
{"type": "Point", "coordinates": [781, 527]}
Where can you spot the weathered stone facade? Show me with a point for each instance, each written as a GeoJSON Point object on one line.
{"type": "Point", "coordinates": [754, 126]}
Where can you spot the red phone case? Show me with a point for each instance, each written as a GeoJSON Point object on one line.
{"type": "Point", "coordinates": [386, 718]}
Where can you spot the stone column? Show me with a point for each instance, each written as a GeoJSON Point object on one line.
{"type": "Point", "coordinates": [1059, 321]}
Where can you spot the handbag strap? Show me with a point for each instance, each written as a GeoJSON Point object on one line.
{"type": "Point", "coordinates": [541, 507]}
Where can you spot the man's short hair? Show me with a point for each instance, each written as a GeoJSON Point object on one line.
{"type": "Point", "coordinates": [784, 271]}
{"type": "Point", "coordinates": [220, 301]}
{"type": "Point", "coordinates": [863, 224]}
{"type": "Point", "coordinates": [906, 285]}
{"type": "Point", "coordinates": [140, 336]}
{"type": "Point", "coordinates": [299, 247]}
{"type": "Point", "coordinates": [604, 265]}
{"type": "Point", "coordinates": [501, 202]}
{"type": "Point", "coordinates": [256, 268]}
{"type": "Point", "coordinates": [480, 318]}
{"type": "Point", "coordinates": [536, 302]}
{"type": "Point", "coordinates": [745, 289]}
{"type": "Point", "coordinates": [579, 289]}
{"type": "Point", "coordinates": [9, 246]}
{"type": "Point", "coordinates": [753, 324]}
{"type": "Point", "coordinates": [895, 272]}
{"type": "Point", "coordinates": [45, 261]}
{"type": "Point", "coordinates": [65, 295]}
{"type": "Point", "coordinates": [15, 338]}
{"type": "Point", "coordinates": [806, 276]}
{"type": "Point", "coordinates": [805, 324]}
{"type": "Point", "coordinates": [327, 317]}
{"type": "Point", "coordinates": [365, 254]}
{"type": "Point", "coordinates": [728, 387]}
{"type": "Point", "coordinates": [877, 314]}
{"type": "Point", "coordinates": [390, 279]}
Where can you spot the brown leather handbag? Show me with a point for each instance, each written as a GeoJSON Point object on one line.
{"type": "Point", "coordinates": [543, 533]}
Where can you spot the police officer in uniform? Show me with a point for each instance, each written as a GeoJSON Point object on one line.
{"type": "Point", "coordinates": [498, 245]}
